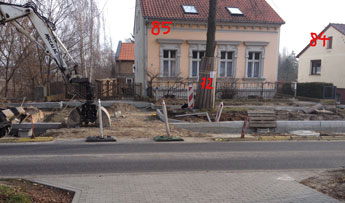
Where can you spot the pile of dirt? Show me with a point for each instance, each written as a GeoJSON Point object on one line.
{"type": "Point", "coordinates": [232, 115]}
{"type": "Point", "coordinates": [124, 108]}
{"type": "Point", "coordinates": [3, 100]}
{"type": "Point", "coordinates": [57, 116]}
{"type": "Point", "coordinates": [301, 116]}
{"type": "Point", "coordinates": [171, 101]}
{"type": "Point", "coordinates": [241, 114]}
{"type": "Point", "coordinates": [37, 115]}
{"type": "Point", "coordinates": [331, 183]}
{"type": "Point", "coordinates": [38, 192]}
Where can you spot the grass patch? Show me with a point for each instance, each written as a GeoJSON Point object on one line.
{"type": "Point", "coordinates": [10, 195]}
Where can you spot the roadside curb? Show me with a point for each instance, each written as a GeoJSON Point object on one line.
{"type": "Point", "coordinates": [77, 192]}
{"type": "Point", "coordinates": [281, 138]}
{"type": "Point", "coordinates": [26, 140]}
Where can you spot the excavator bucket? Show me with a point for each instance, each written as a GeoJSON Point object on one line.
{"type": "Point", "coordinates": [7, 116]}
{"type": "Point", "coordinates": [75, 118]}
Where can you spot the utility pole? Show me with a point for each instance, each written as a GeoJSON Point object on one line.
{"type": "Point", "coordinates": [206, 97]}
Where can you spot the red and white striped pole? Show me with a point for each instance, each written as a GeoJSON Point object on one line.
{"type": "Point", "coordinates": [191, 97]}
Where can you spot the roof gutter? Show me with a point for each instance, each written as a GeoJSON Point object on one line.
{"type": "Point", "coordinates": [218, 21]}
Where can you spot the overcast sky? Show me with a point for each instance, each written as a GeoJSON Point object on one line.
{"type": "Point", "coordinates": [301, 16]}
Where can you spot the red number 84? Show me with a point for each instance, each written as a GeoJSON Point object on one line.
{"type": "Point", "coordinates": [156, 25]}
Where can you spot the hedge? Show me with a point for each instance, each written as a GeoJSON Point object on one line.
{"type": "Point", "coordinates": [313, 90]}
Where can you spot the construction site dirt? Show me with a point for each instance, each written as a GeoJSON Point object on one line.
{"type": "Point", "coordinates": [240, 115]}
{"type": "Point", "coordinates": [331, 183]}
{"type": "Point", "coordinates": [127, 123]}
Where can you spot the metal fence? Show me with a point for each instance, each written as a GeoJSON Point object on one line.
{"type": "Point", "coordinates": [224, 90]}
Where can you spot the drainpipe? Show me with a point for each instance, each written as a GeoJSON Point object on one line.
{"type": "Point", "coordinates": [146, 57]}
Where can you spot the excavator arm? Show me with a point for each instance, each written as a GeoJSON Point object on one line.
{"type": "Point", "coordinates": [11, 13]}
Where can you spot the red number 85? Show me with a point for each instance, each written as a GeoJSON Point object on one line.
{"type": "Point", "coordinates": [156, 26]}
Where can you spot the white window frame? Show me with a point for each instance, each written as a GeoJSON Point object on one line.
{"type": "Point", "coordinates": [173, 45]}
{"type": "Point", "coordinates": [169, 60]}
{"type": "Point", "coordinates": [254, 61]}
{"type": "Point", "coordinates": [256, 47]}
{"type": "Point", "coordinates": [189, 9]}
{"type": "Point", "coordinates": [317, 72]}
{"type": "Point", "coordinates": [195, 45]}
{"type": "Point", "coordinates": [198, 60]}
{"type": "Point", "coordinates": [226, 62]}
{"type": "Point", "coordinates": [234, 11]}
{"type": "Point", "coordinates": [228, 46]}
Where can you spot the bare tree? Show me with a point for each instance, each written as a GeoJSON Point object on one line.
{"type": "Point", "coordinates": [78, 24]}
{"type": "Point", "coordinates": [13, 50]}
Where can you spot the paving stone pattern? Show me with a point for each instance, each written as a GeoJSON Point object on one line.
{"type": "Point", "coordinates": [265, 187]}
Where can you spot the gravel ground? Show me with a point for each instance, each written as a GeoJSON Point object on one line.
{"type": "Point", "coordinates": [331, 183]}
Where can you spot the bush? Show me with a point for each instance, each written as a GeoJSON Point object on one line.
{"type": "Point", "coordinates": [227, 90]}
{"type": "Point", "coordinates": [228, 93]}
{"type": "Point", "coordinates": [9, 195]}
{"type": "Point", "coordinates": [313, 90]}
{"type": "Point", "coordinates": [286, 89]}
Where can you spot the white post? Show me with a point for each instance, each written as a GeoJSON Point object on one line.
{"type": "Point", "coordinates": [166, 118]}
{"type": "Point", "coordinates": [156, 93]}
{"type": "Point", "coordinates": [100, 118]}
{"type": "Point", "coordinates": [295, 89]}
{"type": "Point", "coordinates": [219, 112]}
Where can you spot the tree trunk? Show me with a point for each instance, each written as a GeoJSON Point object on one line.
{"type": "Point", "coordinates": [6, 88]}
{"type": "Point", "coordinates": [205, 98]}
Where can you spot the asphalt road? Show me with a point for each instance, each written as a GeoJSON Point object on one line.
{"type": "Point", "coordinates": [83, 158]}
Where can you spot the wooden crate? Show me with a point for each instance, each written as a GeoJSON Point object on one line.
{"type": "Point", "coordinates": [262, 119]}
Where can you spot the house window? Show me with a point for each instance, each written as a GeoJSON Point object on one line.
{"type": "Point", "coordinates": [226, 64]}
{"type": "Point", "coordinates": [234, 11]}
{"type": "Point", "coordinates": [330, 43]}
{"type": "Point", "coordinates": [316, 67]}
{"type": "Point", "coordinates": [169, 55]}
{"type": "Point", "coordinates": [169, 63]}
{"type": "Point", "coordinates": [196, 60]}
{"type": "Point", "coordinates": [253, 66]}
{"type": "Point", "coordinates": [189, 9]}
{"type": "Point", "coordinates": [129, 81]}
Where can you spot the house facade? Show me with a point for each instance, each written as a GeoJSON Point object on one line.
{"type": "Point", "coordinates": [247, 40]}
{"type": "Point", "coordinates": [325, 63]}
{"type": "Point", "coordinates": [124, 67]}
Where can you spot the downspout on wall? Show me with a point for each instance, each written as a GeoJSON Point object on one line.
{"type": "Point", "coordinates": [277, 74]}
{"type": "Point", "coordinates": [146, 59]}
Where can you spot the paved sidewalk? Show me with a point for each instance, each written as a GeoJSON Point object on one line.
{"type": "Point", "coordinates": [265, 187]}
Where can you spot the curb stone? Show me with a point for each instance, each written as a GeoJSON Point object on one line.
{"type": "Point", "coordinates": [77, 192]}
{"type": "Point", "coordinates": [280, 138]}
{"type": "Point", "coordinates": [27, 140]}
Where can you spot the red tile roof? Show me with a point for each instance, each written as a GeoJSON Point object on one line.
{"type": "Point", "coordinates": [255, 11]}
{"type": "Point", "coordinates": [126, 52]}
